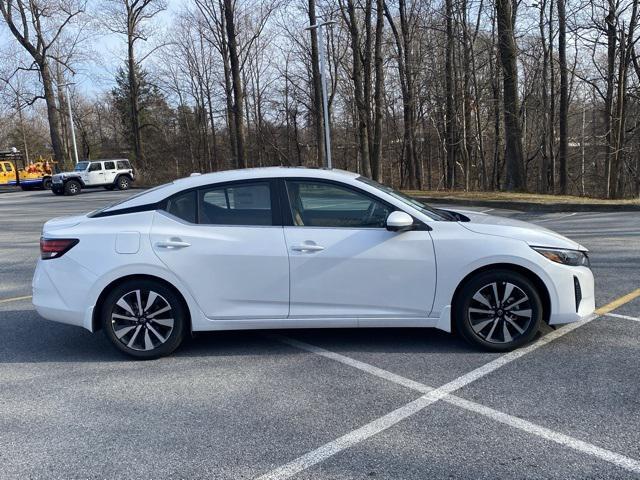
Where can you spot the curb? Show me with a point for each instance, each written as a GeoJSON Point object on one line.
{"type": "Point", "coordinates": [531, 206]}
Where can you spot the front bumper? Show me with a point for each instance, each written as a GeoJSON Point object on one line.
{"type": "Point", "coordinates": [569, 306]}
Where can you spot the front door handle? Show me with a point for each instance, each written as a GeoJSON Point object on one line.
{"type": "Point", "coordinates": [307, 247]}
{"type": "Point", "coordinates": [172, 244]}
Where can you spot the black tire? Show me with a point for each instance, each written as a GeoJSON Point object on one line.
{"type": "Point", "coordinates": [46, 183]}
{"type": "Point", "coordinates": [109, 187]}
{"type": "Point", "coordinates": [72, 187]}
{"type": "Point", "coordinates": [149, 329]}
{"type": "Point", "coordinates": [57, 191]}
{"type": "Point", "coordinates": [499, 322]}
{"type": "Point", "coordinates": [123, 182]}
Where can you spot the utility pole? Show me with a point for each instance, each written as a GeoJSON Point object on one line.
{"type": "Point", "coordinates": [323, 79]}
{"type": "Point", "coordinates": [73, 130]}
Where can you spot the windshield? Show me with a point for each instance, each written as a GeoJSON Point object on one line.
{"type": "Point", "coordinates": [81, 166]}
{"type": "Point", "coordinates": [436, 214]}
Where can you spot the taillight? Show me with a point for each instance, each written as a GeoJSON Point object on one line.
{"type": "Point", "coordinates": [55, 247]}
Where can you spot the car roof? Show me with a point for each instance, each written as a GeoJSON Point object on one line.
{"type": "Point", "coordinates": [195, 180]}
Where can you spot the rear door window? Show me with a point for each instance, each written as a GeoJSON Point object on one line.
{"type": "Point", "coordinates": [238, 204]}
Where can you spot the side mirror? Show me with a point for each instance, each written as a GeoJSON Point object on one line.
{"type": "Point", "coordinates": [399, 222]}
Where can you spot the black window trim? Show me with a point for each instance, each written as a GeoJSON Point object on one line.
{"type": "Point", "coordinates": [288, 217]}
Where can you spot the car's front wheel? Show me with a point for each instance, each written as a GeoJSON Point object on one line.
{"type": "Point", "coordinates": [144, 319]}
{"type": "Point", "coordinates": [498, 310]}
{"type": "Point", "coordinates": [72, 187]}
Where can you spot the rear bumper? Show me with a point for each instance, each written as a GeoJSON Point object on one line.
{"type": "Point", "coordinates": [61, 294]}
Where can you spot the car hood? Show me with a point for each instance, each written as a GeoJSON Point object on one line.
{"type": "Point", "coordinates": [531, 233]}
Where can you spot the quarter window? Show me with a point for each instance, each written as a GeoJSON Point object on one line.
{"type": "Point", "coordinates": [320, 204]}
{"type": "Point", "coordinates": [123, 165]}
{"type": "Point", "coordinates": [183, 206]}
{"type": "Point", "coordinates": [246, 204]}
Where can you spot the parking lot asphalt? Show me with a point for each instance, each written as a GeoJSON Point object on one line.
{"type": "Point", "coordinates": [325, 404]}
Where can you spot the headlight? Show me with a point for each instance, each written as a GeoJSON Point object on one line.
{"type": "Point", "coordinates": [575, 258]}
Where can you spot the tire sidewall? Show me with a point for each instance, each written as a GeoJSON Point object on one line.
{"type": "Point", "coordinates": [179, 316]}
{"type": "Point", "coordinates": [463, 301]}
{"type": "Point", "coordinates": [123, 183]}
{"type": "Point", "coordinates": [68, 187]}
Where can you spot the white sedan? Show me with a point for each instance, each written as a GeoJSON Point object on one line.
{"type": "Point", "coordinates": [302, 248]}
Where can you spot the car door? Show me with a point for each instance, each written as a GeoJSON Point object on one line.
{"type": "Point", "coordinates": [109, 172]}
{"type": "Point", "coordinates": [95, 174]}
{"type": "Point", "coordinates": [226, 244]}
{"type": "Point", "coordinates": [345, 263]}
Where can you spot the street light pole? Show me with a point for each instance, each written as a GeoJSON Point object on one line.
{"type": "Point", "coordinates": [323, 81]}
{"type": "Point", "coordinates": [73, 130]}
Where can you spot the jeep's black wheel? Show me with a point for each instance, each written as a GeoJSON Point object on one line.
{"type": "Point", "coordinates": [123, 183]}
{"type": "Point", "coordinates": [498, 310]}
{"type": "Point", "coordinates": [72, 187]}
{"type": "Point", "coordinates": [46, 184]}
{"type": "Point", "coordinates": [144, 319]}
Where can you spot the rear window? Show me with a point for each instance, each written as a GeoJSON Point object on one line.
{"type": "Point", "coordinates": [123, 165]}
{"type": "Point", "coordinates": [109, 165]}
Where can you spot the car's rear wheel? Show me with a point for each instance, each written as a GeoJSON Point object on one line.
{"type": "Point", "coordinates": [46, 183]}
{"type": "Point", "coordinates": [144, 319]}
{"type": "Point", "coordinates": [124, 183]}
{"type": "Point", "coordinates": [72, 187]}
{"type": "Point", "coordinates": [498, 310]}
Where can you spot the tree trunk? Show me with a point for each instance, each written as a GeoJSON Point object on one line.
{"type": "Point", "coordinates": [236, 81]}
{"type": "Point", "coordinates": [564, 96]}
{"type": "Point", "coordinates": [52, 112]}
{"type": "Point", "coordinates": [378, 98]}
{"type": "Point", "coordinates": [515, 180]}
{"type": "Point", "coordinates": [358, 86]}
{"type": "Point", "coordinates": [316, 84]}
{"type": "Point", "coordinates": [449, 124]}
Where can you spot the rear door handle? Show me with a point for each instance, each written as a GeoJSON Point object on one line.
{"type": "Point", "coordinates": [172, 244]}
{"type": "Point", "coordinates": [307, 247]}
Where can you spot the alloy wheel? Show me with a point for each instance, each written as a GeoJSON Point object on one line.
{"type": "Point", "coordinates": [500, 312]}
{"type": "Point", "coordinates": [142, 320]}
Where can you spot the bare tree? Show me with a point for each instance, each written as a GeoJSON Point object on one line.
{"type": "Point", "coordinates": [37, 26]}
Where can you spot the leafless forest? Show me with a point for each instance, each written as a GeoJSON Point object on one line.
{"type": "Point", "coordinates": [531, 95]}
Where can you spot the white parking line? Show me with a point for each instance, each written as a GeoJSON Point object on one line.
{"type": "Point", "coordinates": [626, 317]}
{"type": "Point", "coordinates": [432, 395]}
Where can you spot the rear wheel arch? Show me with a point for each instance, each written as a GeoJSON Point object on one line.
{"type": "Point", "coordinates": [530, 275]}
{"type": "Point", "coordinates": [95, 320]}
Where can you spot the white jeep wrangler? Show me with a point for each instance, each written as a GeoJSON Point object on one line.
{"type": "Point", "coordinates": [109, 174]}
